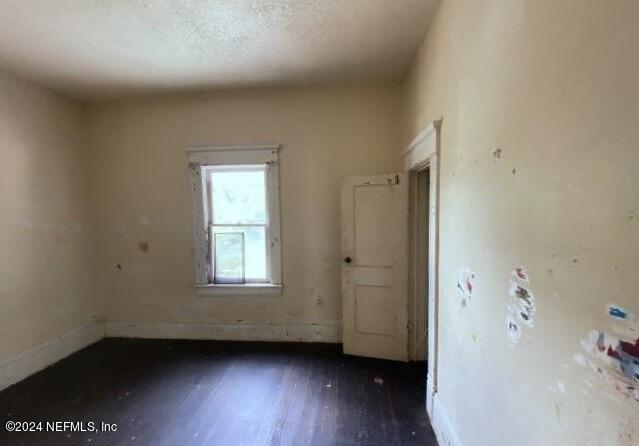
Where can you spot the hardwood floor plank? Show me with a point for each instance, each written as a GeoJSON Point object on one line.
{"type": "Point", "coordinates": [194, 393]}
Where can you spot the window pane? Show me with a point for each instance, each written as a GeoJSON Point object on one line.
{"type": "Point", "coordinates": [239, 196]}
{"type": "Point", "coordinates": [254, 250]}
{"type": "Point", "coordinates": [229, 257]}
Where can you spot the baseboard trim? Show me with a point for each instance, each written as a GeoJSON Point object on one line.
{"type": "Point", "coordinates": [25, 364]}
{"type": "Point", "coordinates": [443, 427]}
{"type": "Point", "coordinates": [22, 365]}
{"type": "Point", "coordinates": [298, 332]}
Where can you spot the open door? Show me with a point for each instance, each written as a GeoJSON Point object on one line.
{"type": "Point", "coordinates": [374, 267]}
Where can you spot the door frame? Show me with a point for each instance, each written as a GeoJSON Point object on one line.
{"type": "Point", "coordinates": [421, 154]}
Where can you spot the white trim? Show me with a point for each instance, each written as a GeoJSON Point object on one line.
{"type": "Point", "coordinates": [201, 157]}
{"type": "Point", "coordinates": [207, 148]}
{"type": "Point", "coordinates": [275, 331]}
{"type": "Point", "coordinates": [443, 427]}
{"type": "Point", "coordinates": [27, 363]}
{"type": "Point", "coordinates": [220, 155]}
{"type": "Point", "coordinates": [433, 278]}
{"type": "Point", "coordinates": [422, 147]}
{"type": "Point", "coordinates": [247, 289]}
{"type": "Point", "coordinates": [200, 228]}
{"type": "Point", "coordinates": [423, 153]}
{"type": "Point", "coordinates": [426, 132]}
{"type": "Point", "coordinates": [274, 236]}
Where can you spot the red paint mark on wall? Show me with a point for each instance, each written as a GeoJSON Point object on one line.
{"type": "Point", "coordinates": [615, 358]}
{"type": "Point", "coordinates": [466, 285]}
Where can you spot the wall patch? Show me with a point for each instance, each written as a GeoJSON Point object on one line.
{"type": "Point", "coordinates": [619, 313]}
{"type": "Point", "coordinates": [614, 356]}
{"type": "Point", "coordinates": [521, 304]}
{"type": "Point", "coordinates": [466, 285]}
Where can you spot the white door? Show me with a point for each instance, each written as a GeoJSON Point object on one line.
{"type": "Point", "coordinates": [374, 266]}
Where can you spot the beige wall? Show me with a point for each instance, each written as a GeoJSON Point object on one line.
{"type": "Point", "coordinates": [46, 285]}
{"type": "Point", "coordinates": [554, 85]}
{"type": "Point", "coordinates": [142, 194]}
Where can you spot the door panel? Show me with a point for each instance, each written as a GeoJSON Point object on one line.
{"type": "Point", "coordinates": [371, 205]}
{"type": "Point", "coordinates": [375, 310]}
{"type": "Point", "coordinates": [374, 282]}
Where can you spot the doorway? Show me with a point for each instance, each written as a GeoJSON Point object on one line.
{"type": "Point", "coordinates": [418, 275]}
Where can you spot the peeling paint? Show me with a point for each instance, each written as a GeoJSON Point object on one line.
{"type": "Point", "coordinates": [521, 304]}
{"type": "Point", "coordinates": [617, 312]}
{"type": "Point", "coordinates": [615, 359]}
{"type": "Point", "coordinates": [521, 274]}
{"type": "Point", "coordinates": [579, 358]}
{"type": "Point", "coordinates": [561, 387]}
{"type": "Point", "coordinates": [557, 386]}
{"type": "Point", "coordinates": [621, 314]}
{"type": "Point", "coordinates": [466, 285]}
{"type": "Point", "coordinates": [514, 330]}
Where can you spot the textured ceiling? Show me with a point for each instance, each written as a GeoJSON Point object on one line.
{"type": "Point", "coordinates": [91, 49]}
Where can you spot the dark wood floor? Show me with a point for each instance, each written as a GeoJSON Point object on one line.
{"type": "Point", "coordinates": [221, 393]}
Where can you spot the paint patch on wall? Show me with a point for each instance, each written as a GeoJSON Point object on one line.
{"type": "Point", "coordinates": [557, 386]}
{"type": "Point", "coordinates": [625, 322]}
{"type": "Point", "coordinates": [614, 356]}
{"type": "Point", "coordinates": [619, 313]}
{"type": "Point", "coordinates": [521, 274]}
{"type": "Point", "coordinates": [514, 330]}
{"type": "Point", "coordinates": [521, 304]}
{"type": "Point", "coordinates": [579, 358]}
{"type": "Point", "coordinates": [466, 285]}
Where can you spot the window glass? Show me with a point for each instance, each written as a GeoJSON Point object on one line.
{"type": "Point", "coordinates": [254, 250]}
{"type": "Point", "coordinates": [239, 196]}
{"type": "Point", "coordinates": [229, 257]}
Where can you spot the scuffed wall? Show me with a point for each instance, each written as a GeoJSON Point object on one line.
{"type": "Point", "coordinates": [144, 210]}
{"type": "Point", "coordinates": [539, 167]}
{"type": "Point", "coordinates": [46, 281]}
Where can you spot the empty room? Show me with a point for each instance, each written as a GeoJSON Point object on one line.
{"type": "Point", "coordinates": [319, 222]}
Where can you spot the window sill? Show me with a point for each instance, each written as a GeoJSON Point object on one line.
{"type": "Point", "coordinates": [239, 290]}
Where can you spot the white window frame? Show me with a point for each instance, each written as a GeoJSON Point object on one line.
{"type": "Point", "coordinates": [199, 159]}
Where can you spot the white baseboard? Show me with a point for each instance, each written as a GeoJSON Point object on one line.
{"type": "Point", "coordinates": [27, 363]}
{"type": "Point", "coordinates": [444, 430]}
{"type": "Point", "coordinates": [297, 332]}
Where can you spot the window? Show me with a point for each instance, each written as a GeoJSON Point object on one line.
{"type": "Point", "coordinates": [236, 202]}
